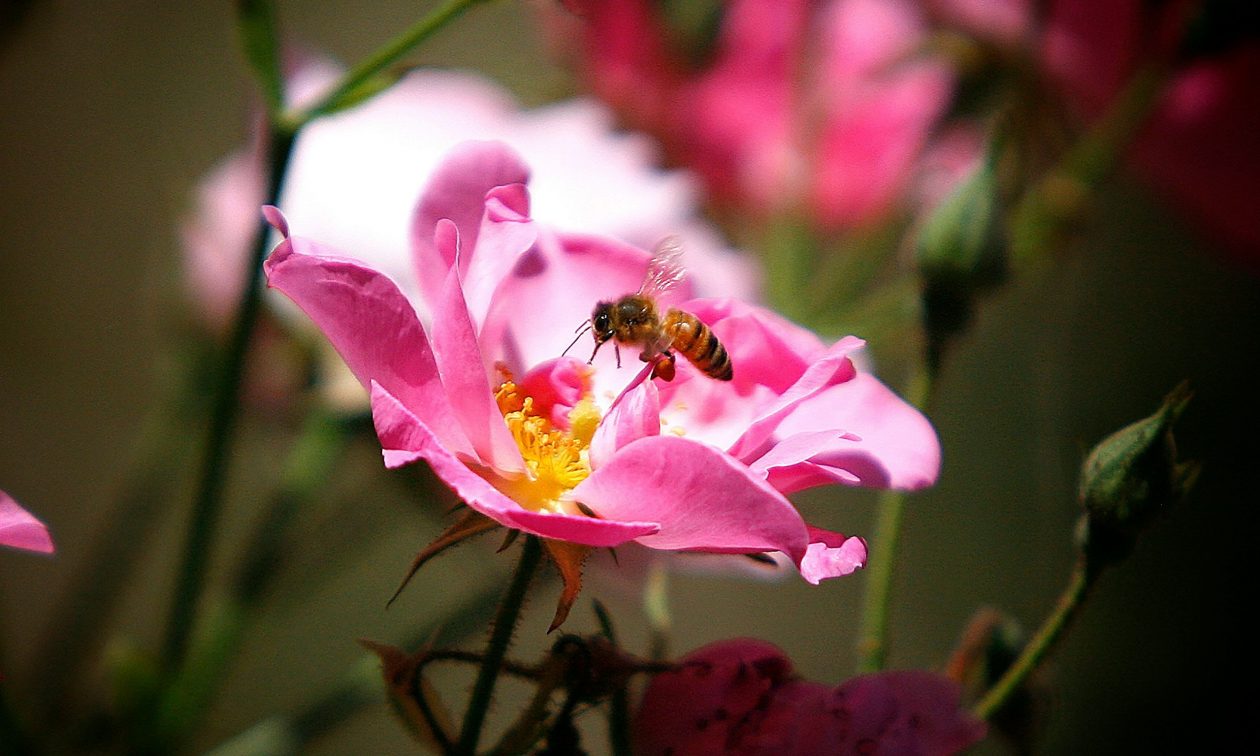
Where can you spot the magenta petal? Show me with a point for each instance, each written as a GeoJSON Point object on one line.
{"type": "Point", "coordinates": [457, 192]}
{"type": "Point", "coordinates": [20, 529]}
{"type": "Point", "coordinates": [466, 382]}
{"type": "Point", "coordinates": [703, 499]}
{"type": "Point", "coordinates": [404, 439]}
{"type": "Point", "coordinates": [372, 325]}
{"type": "Point", "coordinates": [832, 555]}
{"type": "Point", "coordinates": [636, 414]}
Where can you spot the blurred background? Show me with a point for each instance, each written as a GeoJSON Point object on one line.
{"type": "Point", "coordinates": [110, 113]}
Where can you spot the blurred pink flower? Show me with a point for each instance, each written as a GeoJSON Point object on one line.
{"type": "Point", "coordinates": [594, 455]}
{"type": "Point", "coordinates": [802, 105]}
{"type": "Point", "coordinates": [742, 697]}
{"type": "Point", "coordinates": [355, 177]}
{"type": "Point", "coordinates": [1198, 148]}
{"type": "Point", "coordinates": [20, 529]}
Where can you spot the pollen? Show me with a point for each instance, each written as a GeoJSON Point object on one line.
{"type": "Point", "coordinates": [556, 460]}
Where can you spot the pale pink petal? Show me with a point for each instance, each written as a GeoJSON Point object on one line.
{"type": "Point", "coordinates": [558, 283]}
{"type": "Point", "coordinates": [703, 499]}
{"type": "Point", "coordinates": [831, 554]}
{"type": "Point", "coordinates": [895, 446]}
{"type": "Point", "coordinates": [372, 325]}
{"type": "Point", "coordinates": [833, 368]}
{"type": "Point", "coordinates": [636, 414]}
{"type": "Point", "coordinates": [20, 529]}
{"type": "Point", "coordinates": [467, 384]}
{"type": "Point", "coordinates": [506, 233]}
{"type": "Point", "coordinates": [405, 439]}
{"type": "Point", "coordinates": [457, 191]}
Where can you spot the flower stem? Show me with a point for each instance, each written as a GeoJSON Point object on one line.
{"type": "Point", "coordinates": [500, 637]}
{"type": "Point", "coordinates": [209, 496]}
{"type": "Point", "coordinates": [873, 637]}
{"type": "Point", "coordinates": [347, 91]}
{"type": "Point", "coordinates": [1051, 630]}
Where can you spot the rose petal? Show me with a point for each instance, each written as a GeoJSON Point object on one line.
{"type": "Point", "coordinates": [703, 499]}
{"type": "Point", "coordinates": [636, 414]}
{"type": "Point", "coordinates": [457, 192]}
{"type": "Point", "coordinates": [371, 325]}
{"type": "Point", "coordinates": [405, 439]}
{"type": "Point", "coordinates": [467, 384]}
{"type": "Point", "coordinates": [831, 555]}
{"type": "Point", "coordinates": [21, 529]}
{"type": "Point", "coordinates": [895, 446]}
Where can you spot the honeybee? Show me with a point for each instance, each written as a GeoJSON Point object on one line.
{"type": "Point", "coordinates": [635, 319]}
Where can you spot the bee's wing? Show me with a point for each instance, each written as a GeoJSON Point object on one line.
{"type": "Point", "coordinates": [665, 270]}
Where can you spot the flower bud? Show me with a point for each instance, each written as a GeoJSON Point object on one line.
{"type": "Point", "coordinates": [960, 252]}
{"type": "Point", "coordinates": [1130, 476]}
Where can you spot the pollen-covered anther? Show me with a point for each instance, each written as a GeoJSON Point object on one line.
{"type": "Point", "coordinates": [556, 460]}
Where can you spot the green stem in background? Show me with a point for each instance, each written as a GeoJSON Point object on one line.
{"type": "Point", "coordinates": [1051, 630]}
{"type": "Point", "coordinates": [500, 637]}
{"type": "Point", "coordinates": [1057, 200]}
{"type": "Point", "coordinates": [359, 83]}
{"type": "Point", "coordinates": [219, 637]}
{"type": "Point", "coordinates": [656, 608]}
{"type": "Point", "coordinates": [873, 634]}
{"type": "Point", "coordinates": [75, 630]}
{"type": "Point", "coordinates": [13, 737]}
{"type": "Point", "coordinates": [199, 541]}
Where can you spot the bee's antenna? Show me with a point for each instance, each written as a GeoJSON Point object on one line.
{"type": "Point", "coordinates": [580, 330]}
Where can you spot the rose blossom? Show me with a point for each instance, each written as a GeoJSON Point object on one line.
{"type": "Point", "coordinates": [822, 107]}
{"type": "Point", "coordinates": [354, 179]}
{"type": "Point", "coordinates": [742, 697]}
{"type": "Point", "coordinates": [595, 455]}
{"type": "Point", "coordinates": [20, 529]}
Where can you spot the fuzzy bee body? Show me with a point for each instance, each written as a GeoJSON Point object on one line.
{"type": "Point", "coordinates": [634, 319]}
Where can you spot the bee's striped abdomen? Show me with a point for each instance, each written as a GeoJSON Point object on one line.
{"type": "Point", "coordinates": [695, 341]}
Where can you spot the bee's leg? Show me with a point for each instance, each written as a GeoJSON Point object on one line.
{"type": "Point", "coordinates": [664, 367]}
{"type": "Point", "coordinates": [617, 352]}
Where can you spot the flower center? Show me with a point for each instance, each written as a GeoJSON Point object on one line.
{"type": "Point", "coordinates": [556, 460]}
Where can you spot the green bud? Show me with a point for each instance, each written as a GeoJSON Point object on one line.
{"type": "Point", "coordinates": [960, 252]}
{"type": "Point", "coordinates": [1129, 477]}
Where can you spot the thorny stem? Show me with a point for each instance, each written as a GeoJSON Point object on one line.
{"type": "Point", "coordinates": [500, 637]}
{"type": "Point", "coordinates": [873, 637]}
{"type": "Point", "coordinates": [1051, 630]}
{"type": "Point", "coordinates": [209, 498]}
{"type": "Point", "coordinates": [383, 58]}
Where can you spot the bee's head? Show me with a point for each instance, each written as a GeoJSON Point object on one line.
{"type": "Point", "coordinates": [601, 322]}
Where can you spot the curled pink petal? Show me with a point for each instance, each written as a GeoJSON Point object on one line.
{"type": "Point", "coordinates": [20, 529]}
{"type": "Point", "coordinates": [457, 192]}
{"type": "Point", "coordinates": [832, 555]}
{"type": "Point", "coordinates": [466, 382]}
{"type": "Point", "coordinates": [372, 325]}
{"type": "Point", "coordinates": [887, 442]}
{"type": "Point", "coordinates": [556, 386]}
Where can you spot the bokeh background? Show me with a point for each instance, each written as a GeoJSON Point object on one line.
{"type": "Point", "coordinates": [111, 111]}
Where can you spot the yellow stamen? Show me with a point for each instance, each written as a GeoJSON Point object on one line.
{"type": "Point", "coordinates": [555, 460]}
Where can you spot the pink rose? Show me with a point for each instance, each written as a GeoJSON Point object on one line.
{"type": "Point", "coordinates": [595, 455]}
